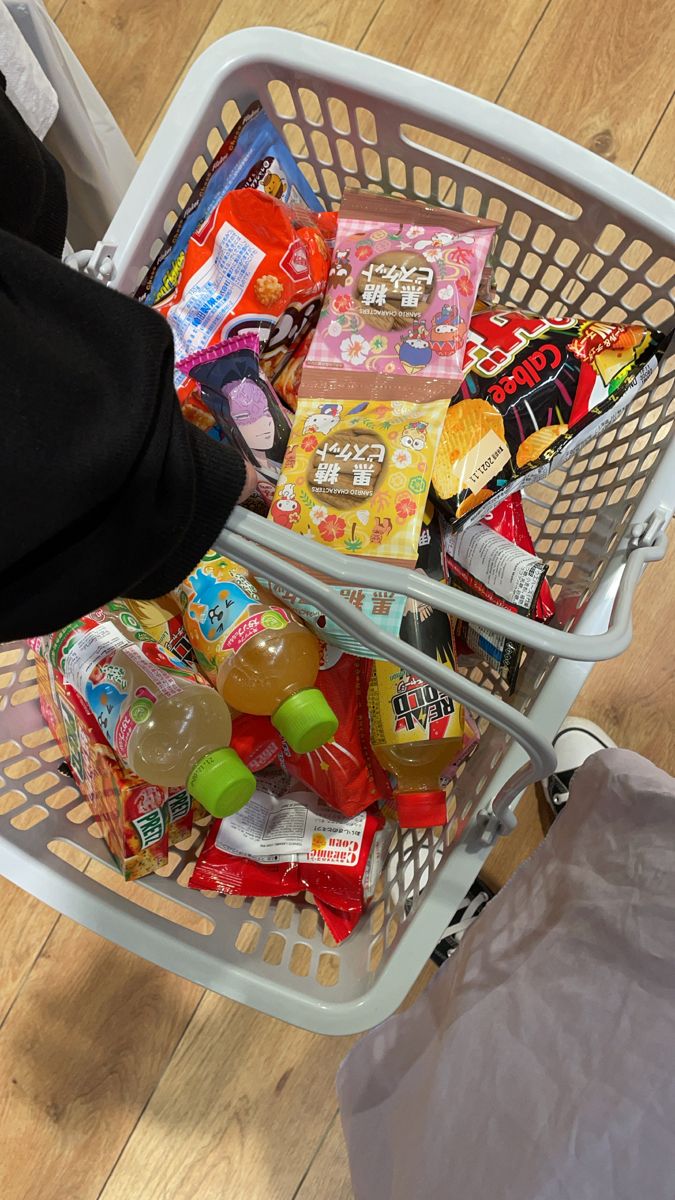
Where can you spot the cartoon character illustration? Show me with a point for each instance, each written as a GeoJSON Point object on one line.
{"type": "Point", "coordinates": [341, 269]}
{"type": "Point", "coordinates": [105, 701]}
{"type": "Point", "coordinates": [414, 349]}
{"type": "Point", "coordinates": [286, 510]}
{"type": "Point", "coordinates": [448, 331]}
{"type": "Point", "coordinates": [207, 605]}
{"type": "Point", "coordinates": [414, 435]}
{"type": "Point", "coordinates": [250, 411]}
{"type": "Point", "coordinates": [324, 420]}
{"type": "Point", "coordinates": [381, 529]}
{"type": "Point", "coordinates": [273, 184]}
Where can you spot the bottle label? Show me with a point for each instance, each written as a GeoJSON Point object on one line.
{"type": "Point", "coordinates": [88, 650]}
{"type": "Point", "coordinates": [86, 657]}
{"type": "Point", "coordinates": [272, 618]}
{"type": "Point", "coordinates": [297, 827]}
{"type": "Point", "coordinates": [216, 599]}
{"type": "Point", "coordinates": [403, 708]}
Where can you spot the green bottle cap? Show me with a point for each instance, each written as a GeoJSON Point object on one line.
{"type": "Point", "coordinates": [306, 720]}
{"type": "Point", "coordinates": [221, 782]}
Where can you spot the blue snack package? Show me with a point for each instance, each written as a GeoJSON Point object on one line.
{"type": "Point", "coordinates": [253, 155]}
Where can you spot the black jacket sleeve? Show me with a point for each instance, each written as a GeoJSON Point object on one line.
{"type": "Point", "coordinates": [106, 490]}
{"type": "Point", "coordinates": [32, 186]}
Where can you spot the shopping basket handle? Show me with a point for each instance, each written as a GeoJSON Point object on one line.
{"type": "Point", "coordinates": [497, 817]}
{"type": "Point", "coordinates": [647, 542]}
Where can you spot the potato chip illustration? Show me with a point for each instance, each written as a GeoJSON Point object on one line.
{"type": "Point", "coordinates": [471, 448]}
{"type": "Point", "coordinates": [539, 441]}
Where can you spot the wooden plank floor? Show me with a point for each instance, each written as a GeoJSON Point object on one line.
{"type": "Point", "coordinates": [119, 1080]}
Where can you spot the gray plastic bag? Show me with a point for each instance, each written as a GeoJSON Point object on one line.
{"type": "Point", "coordinates": [540, 1062]}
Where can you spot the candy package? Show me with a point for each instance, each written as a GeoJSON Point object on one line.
{"type": "Point", "coordinates": [508, 519]}
{"type": "Point", "coordinates": [536, 389]}
{"type": "Point", "coordinates": [161, 618]}
{"type": "Point", "coordinates": [491, 566]}
{"type": "Point", "coordinates": [247, 412]}
{"type": "Point", "coordinates": [256, 741]}
{"type": "Point", "coordinates": [344, 773]}
{"type": "Point", "coordinates": [254, 155]}
{"type": "Point", "coordinates": [403, 283]}
{"type": "Point", "coordinates": [256, 265]}
{"type": "Point", "coordinates": [427, 629]}
{"type": "Point", "coordinates": [355, 478]}
{"type": "Point", "coordinates": [283, 845]}
{"type": "Point", "coordinates": [496, 649]}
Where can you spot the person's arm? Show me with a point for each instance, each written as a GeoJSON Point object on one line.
{"type": "Point", "coordinates": [106, 490]}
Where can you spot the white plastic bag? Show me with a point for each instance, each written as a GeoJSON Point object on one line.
{"type": "Point", "coordinates": [85, 138]}
{"type": "Point", "coordinates": [540, 1062]}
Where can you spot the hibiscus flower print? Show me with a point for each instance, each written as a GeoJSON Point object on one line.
{"type": "Point", "coordinates": [415, 231]}
{"type": "Point", "coordinates": [334, 329]}
{"type": "Point", "coordinates": [355, 349]}
{"type": "Point", "coordinates": [363, 251]}
{"type": "Point", "coordinates": [405, 507]}
{"type": "Point", "coordinates": [332, 528]}
{"type": "Point", "coordinates": [401, 458]}
{"type": "Point", "coordinates": [464, 286]}
{"type": "Point", "coordinates": [318, 514]}
{"type": "Point", "coordinates": [309, 443]}
{"type": "Point", "coordinates": [342, 304]}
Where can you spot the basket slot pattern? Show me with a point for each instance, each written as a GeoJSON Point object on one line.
{"type": "Point", "coordinates": [274, 937]}
{"type": "Point", "coordinates": [556, 253]}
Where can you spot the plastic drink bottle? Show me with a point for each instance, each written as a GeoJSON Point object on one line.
{"type": "Point", "coordinates": [262, 660]}
{"type": "Point", "coordinates": [416, 731]}
{"type": "Point", "coordinates": [163, 721]}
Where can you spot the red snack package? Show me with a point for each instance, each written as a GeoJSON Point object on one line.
{"type": "Point", "coordinates": [256, 265]}
{"type": "Point", "coordinates": [337, 860]}
{"type": "Point", "coordinates": [508, 519]}
{"type": "Point", "coordinates": [256, 741]}
{"type": "Point", "coordinates": [345, 772]}
{"type": "Point", "coordinates": [287, 379]}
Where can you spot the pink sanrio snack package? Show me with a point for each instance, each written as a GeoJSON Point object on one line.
{"type": "Point", "coordinates": [401, 289]}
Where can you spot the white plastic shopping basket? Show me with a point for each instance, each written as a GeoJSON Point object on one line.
{"type": "Point", "coordinates": [577, 234]}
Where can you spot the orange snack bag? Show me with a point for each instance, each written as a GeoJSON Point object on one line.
{"type": "Point", "coordinates": [256, 265]}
